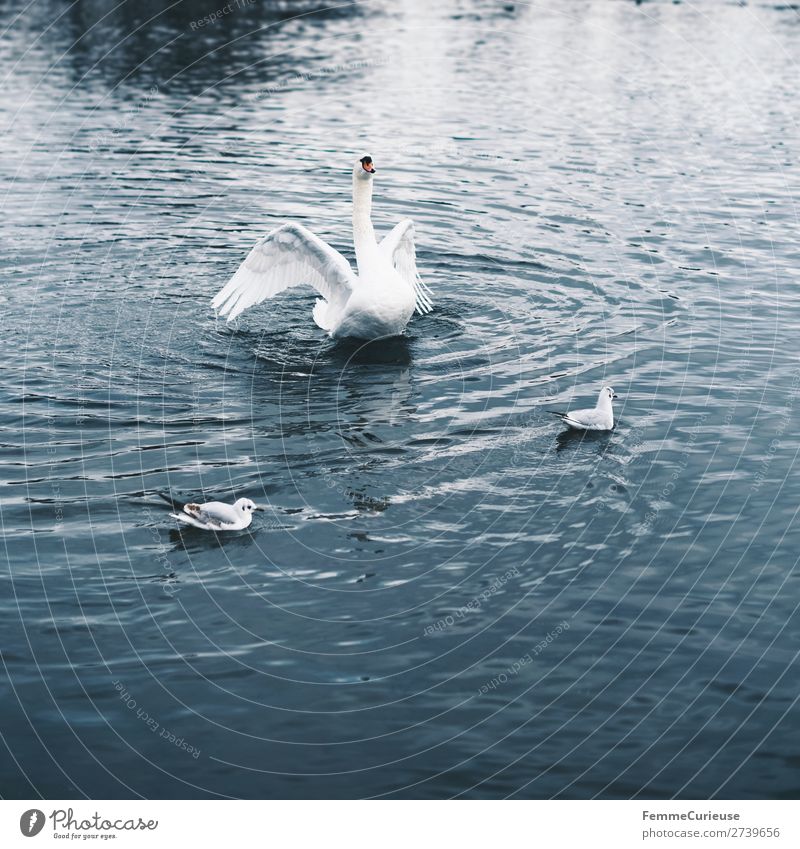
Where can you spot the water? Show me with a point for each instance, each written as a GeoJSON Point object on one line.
{"type": "Point", "coordinates": [446, 596]}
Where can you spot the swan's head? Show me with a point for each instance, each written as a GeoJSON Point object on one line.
{"type": "Point", "coordinates": [607, 395]}
{"type": "Point", "coordinates": [245, 505]}
{"type": "Point", "coordinates": [364, 169]}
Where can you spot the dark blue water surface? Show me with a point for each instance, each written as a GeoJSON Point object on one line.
{"type": "Point", "coordinates": [445, 595]}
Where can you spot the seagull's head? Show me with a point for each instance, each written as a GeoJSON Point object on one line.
{"type": "Point", "coordinates": [607, 395]}
{"type": "Point", "coordinates": [245, 505]}
{"type": "Point", "coordinates": [364, 169]}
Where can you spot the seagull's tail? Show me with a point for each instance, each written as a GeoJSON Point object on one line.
{"type": "Point", "coordinates": [556, 413]}
{"type": "Point", "coordinates": [176, 505]}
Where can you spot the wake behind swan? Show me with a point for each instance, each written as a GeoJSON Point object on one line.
{"type": "Point", "coordinates": [377, 302]}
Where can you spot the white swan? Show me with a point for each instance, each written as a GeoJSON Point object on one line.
{"type": "Point", "coordinates": [376, 303]}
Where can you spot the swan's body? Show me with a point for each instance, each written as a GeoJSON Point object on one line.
{"type": "Point", "coordinates": [601, 417]}
{"type": "Point", "coordinates": [214, 515]}
{"type": "Point", "coordinates": [377, 302]}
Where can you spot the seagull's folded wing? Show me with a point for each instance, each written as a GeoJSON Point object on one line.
{"type": "Point", "coordinates": [398, 246]}
{"type": "Point", "coordinates": [288, 256]}
{"type": "Point", "coordinates": [189, 520]}
{"type": "Point", "coordinates": [214, 514]}
{"type": "Point", "coordinates": [589, 418]}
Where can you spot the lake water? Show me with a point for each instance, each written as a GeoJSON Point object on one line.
{"type": "Point", "coordinates": [445, 596]}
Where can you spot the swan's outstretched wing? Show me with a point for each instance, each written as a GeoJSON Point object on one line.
{"type": "Point", "coordinates": [288, 256]}
{"type": "Point", "coordinates": [399, 247]}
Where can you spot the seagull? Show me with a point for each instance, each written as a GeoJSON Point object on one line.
{"type": "Point", "coordinates": [599, 418]}
{"type": "Point", "coordinates": [214, 515]}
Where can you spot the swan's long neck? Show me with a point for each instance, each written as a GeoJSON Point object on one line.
{"type": "Point", "coordinates": [363, 234]}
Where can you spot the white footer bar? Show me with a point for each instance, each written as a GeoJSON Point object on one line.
{"type": "Point", "coordinates": [401, 824]}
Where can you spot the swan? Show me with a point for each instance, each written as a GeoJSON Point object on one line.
{"type": "Point", "coordinates": [376, 303]}
{"type": "Point", "coordinates": [601, 417]}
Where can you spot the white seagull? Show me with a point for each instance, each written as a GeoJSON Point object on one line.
{"type": "Point", "coordinates": [600, 417]}
{"type": "Point", "coordinates": [376, 303]}
{"type": "Point", "coordinates": [215, 515]}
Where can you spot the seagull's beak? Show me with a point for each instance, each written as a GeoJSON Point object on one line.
{"type": "Point", "coordinates": [615, 395]}
{"type": "Point", "coordinates": [259, 507]}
